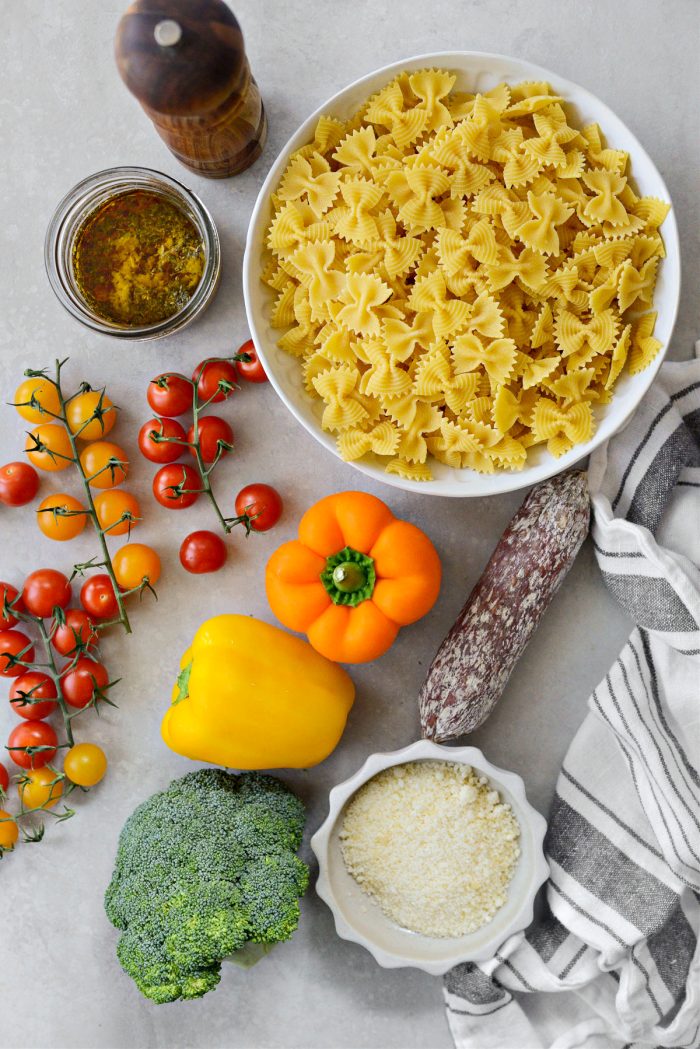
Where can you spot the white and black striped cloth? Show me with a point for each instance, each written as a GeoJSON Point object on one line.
{"type": "Point", "coordinates": [619, 935]}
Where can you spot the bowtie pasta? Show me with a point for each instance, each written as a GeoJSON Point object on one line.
{"type": "Point", "coordinates": [461, 276]}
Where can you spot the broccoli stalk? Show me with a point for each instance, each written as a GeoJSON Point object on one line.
{"type": "Point", "coordinates": [206, 871]}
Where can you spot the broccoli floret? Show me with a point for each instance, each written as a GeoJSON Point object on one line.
{"type": "Point", "coordinates": [204, 870]}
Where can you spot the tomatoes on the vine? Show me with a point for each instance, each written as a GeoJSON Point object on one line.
{"type": "Point", "coordinates": [40, 788]}
{"type": "Point", "coordinates": [105, 464]}
{"type": "Point", "coordinates": [80, 683]}
{"type": "Point", "coordinates": [156, 440]}
{"type": "Point", "coordinates": [260, 506]}
{"type": "Point", "coordinates": [44, 394]}
{"type": "Point", "coordinates": [32, 744]}
{"type": "Point", "coordinates": [177, 486]}
{"type": "Point", "coordinates": [12, 643]}
{"type": "Point", "coordinates": [61, 517]}
{"type": "Point", "coordinates": [48, 447]}
{"type": "Point", "coordinates": [212, 430]}
{"type": "Point", "coordinates": [19, 483]}
{"type": "Point", "coordinates": [135, 564]}
{"type": "Point", "coordinates": [252, 370]}
{"type": "Point", "coordinates": [33, 695]}
{"type": "Point", "coordinates": [45, 589]}
{"type": "Point", "coordinates": [170, 394]}
{"type": "Point", "coordinates": [216, 380]}
{"type": "Point", "coordinates": [8, 596]}
{"type": "Point", "coordinates": [77, 630]}
{"type": "Point", "coordinates": [202, 552]}
{"type": "Point", "coordinates": [90, 415]}
{"type": "Point", "coordinates": [117, 511]}
{"type": "Point", "coordinates": [9, 831]}
{"type": "Point", "coordinates": [98, 598]}
{"type": "Point", "coordinates": [85, 764]}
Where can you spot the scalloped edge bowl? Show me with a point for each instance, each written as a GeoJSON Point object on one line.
{"type": "Point", "coordinates": [476, 71]}
{"type": "Point", "coordinates": [359, 919]}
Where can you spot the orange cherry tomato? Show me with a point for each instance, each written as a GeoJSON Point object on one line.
{"type": "Point", "coordinates": [91, 415]}
{"type": "Point", "coordinates": [85, 764]}
{"type": "Point", "coordinates": [105, 464]}
{"type": "Point", "coordinates": [48, 447]}
{"type": "Point", "coordinates": [9, 831]}
{"type": "Point", "coordinates": [112, 508]}
{"type": "Point", "coordinates": [40, 788]}
{"type": "Point", "coordinates": [134, 564]}
{"type": "Point", "coordinates": [43, 393]}
{"type": "Point", "coordinates": [61, 516]}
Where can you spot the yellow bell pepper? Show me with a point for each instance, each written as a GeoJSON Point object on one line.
{"type": "Point", "coordinates": [250, 696]}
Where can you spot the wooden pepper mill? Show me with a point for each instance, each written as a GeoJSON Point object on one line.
{"type": "Point", "coordinates": [185, 62]}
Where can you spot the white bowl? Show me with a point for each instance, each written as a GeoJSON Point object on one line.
{"type": "Point", "coordinates": [476, 71]}
{"type": "Point", "coordinates": [359, 919]}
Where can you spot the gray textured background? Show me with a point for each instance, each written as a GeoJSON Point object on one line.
{"type": "Point", "coordinates": [64, 114]}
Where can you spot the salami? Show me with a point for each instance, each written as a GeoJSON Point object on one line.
{"type": "Point", "coordinates": [474, 662]}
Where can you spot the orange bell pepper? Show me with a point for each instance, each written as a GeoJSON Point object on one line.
{"type": "Point", "coordinates": [355, 575]}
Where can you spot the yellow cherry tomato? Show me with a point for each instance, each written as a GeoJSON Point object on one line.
{"type": "Point", "coordinates": [68, 520]}
{"type": "Point", "coordinates": [134, 563]}
{"type": "Point", "coordinates": [56, 452]}
{"type": "Point", "coordinates": [99, 463]}
{"type": "Point", "coordinates": [40, 788]}
{"type": "Point", "coordinates": [9, 831]}
{"type": "Point", "coordinates": [40, 390]}
{"type": "Point", "coordinates": [91, 415]}
{"type": "Point", "coordinates": [110, 507]}
{"type": "Point", "coordinates": [85, 764]}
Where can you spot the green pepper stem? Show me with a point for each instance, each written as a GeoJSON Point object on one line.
{"type": "Point", "coordinates": [349, 577]}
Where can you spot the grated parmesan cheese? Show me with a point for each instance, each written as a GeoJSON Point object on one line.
{"type": "Point", "coordinates": [433, 844]}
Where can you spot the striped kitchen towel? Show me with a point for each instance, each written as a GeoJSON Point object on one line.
{"type": "Point", "coordinates": [618, 936]}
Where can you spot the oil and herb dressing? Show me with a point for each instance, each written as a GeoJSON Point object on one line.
{"type": "Point", "coordinates": [138, 258]}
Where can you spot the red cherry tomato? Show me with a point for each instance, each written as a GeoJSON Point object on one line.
{"type": "Point", "coordinates": [11, 644]}
{"type": "Point", "coordinates": [98, 598]}
{"type": "Point", "coordinates": [176, 486]}
{"type": "Point", "coordinates": [216, 380]}
{"type": "Point", "coordinates": [261, 505]}
{"type": "Point", "coordinates": [211, 430]}
{"type": "Point", "coordinates": [77, 627]}
{"type": "Point", "coordinates": [202, 552]}
{"type": "Point", "coordinates": [170, 394]}
{"type": "Point", "coordinates": [44, 590]}
{"type": "Point", "coordinates": [161, 451]}
{"type": "Point", "coordinates": [252, 370]}
{"type": "Point", "coordinates": [29, 688]}
{"type": "Point", "coordinates": [4, 779]}
{"type": "Point", "coordinates": [79, 683]}
{"type": "Point", "coordinates": [32, 734]}
{"type": "Point", "coordinates": [19, 483]}
{"type": "Point", "coordinates": [8, 594]}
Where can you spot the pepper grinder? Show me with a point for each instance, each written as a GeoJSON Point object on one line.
{"type": "Point", "coordinates": [185, 62]}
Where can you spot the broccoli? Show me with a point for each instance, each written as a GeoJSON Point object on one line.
{"type": "Point", "coordinates": [206, 871]}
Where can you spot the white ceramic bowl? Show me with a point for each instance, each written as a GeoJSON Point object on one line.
{"type": "Point", "coordinates": [476, 71]}
{"type": "Point", "coordinates": [359, 919]}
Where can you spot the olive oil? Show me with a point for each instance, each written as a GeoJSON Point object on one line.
{"type": "Point", "coordinates": [137, 259]}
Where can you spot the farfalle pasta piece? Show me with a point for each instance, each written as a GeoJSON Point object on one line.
{"type": "Point", "coordinates": [497, 357]}
{"type": "Point", "coordinates": [409, 471]}
{"type": "Point", "coordinates": [388, 108]}
{"type": "Point", "coordinates": [338, 388]}
{"type": "Point", "coordinates": [357, 303]}
{"type": "Point", "coordinates": [311, 181]}
{"type": "Point", "coordinates": [540, 231]}
{"type": "Point", "coordinates": [435, 380]}
{"type": "Point", "coordinates": [429, 295]}
{"type": "Point", "coordinates": [352, 220]}
{"type": "Point", "coordinates": [432, 86]}
{"type": "Point", "coordinates": [562, 427]}
{"type": "Point", "coordinates": [382, 439]}
{"type": "Point", "coordinates": [644, 347]}
{"type": "Point", "coordinates": [314, 263]}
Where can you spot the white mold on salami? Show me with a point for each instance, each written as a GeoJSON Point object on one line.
{"type": "Point", "coordinates": [474, 662]}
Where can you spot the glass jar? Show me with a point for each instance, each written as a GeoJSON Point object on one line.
{"type": "Point", "coordinates": [81, 202]}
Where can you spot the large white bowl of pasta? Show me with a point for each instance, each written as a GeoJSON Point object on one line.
{"type": "Point", "coordinates": [456, 276]}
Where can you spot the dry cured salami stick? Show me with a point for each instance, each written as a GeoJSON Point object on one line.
{"type": "Point", "coordinates": [503, 610]}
